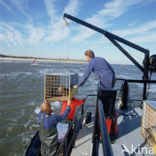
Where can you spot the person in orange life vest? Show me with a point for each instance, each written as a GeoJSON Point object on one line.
{"type": "Point", "coordinates": [74, 103]}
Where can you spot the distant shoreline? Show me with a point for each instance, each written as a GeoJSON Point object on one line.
{"type": "Point", "coordinates": [14, 59]}
{"type": "Point", "coordinates": [44, 60]}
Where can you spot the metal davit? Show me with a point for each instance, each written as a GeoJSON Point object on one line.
{"type": "Point", "coordinates": [148, 62]}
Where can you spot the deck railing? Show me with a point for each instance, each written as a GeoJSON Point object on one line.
{"type": "Point", "coordinates": [105, 106]}
{"type": "Point", "coordinates": [100, 133]}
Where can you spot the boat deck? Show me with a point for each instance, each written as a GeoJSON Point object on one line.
{"type": "Point", "coordinates": [129, 142]}
{"type": "Point", "coordinates": [83, 144]}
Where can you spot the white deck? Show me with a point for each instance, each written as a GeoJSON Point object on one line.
{"type": "Point", "coordinates": [128, 143]}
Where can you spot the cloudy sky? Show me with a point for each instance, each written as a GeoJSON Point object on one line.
{"type": "Point", "coordinates": [36, 27]}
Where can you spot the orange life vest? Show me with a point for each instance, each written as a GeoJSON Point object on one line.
{"type": "Point", "coordinates": [74, 103]}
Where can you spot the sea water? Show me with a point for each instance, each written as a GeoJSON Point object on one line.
{"type": "Point", "coordinates": [21, 95]}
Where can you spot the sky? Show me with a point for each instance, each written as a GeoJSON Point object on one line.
{"type": "Point", "coordinates": [36, 28]}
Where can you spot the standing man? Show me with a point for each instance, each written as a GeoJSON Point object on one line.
{"type": "Point", "coordinates": [101, 68]}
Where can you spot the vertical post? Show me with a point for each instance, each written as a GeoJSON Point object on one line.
{"type": "Point", "coordinates": [155, 143]}
{"type": "Point", "coordinates": [69, 88]}
{"type": "Point", "coordinates": [44, 86]}
{"type": "Point", "coordinates": [145, 76]}
{"type": "Point", "coordinates": [124, 93]}
{"type": "Point", "coordinates": [96, 133]}
{"type": "Point", "coordinates": [82, 111]}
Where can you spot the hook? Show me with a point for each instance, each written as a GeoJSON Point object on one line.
{"type": "Point", "coordinates": [67, 24]}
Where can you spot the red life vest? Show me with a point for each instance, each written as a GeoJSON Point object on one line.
{"type": "Point", "coordinates": [74, 103]}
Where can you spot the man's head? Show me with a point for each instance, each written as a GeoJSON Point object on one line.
{"type": "Point", "coordinates": [89, 54]}
{"type": "Point", "coordinates": [46, 107]}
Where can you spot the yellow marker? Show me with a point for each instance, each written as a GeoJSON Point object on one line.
{"type": "Point", "coordinates": [44, 92]}
{"type": "Point", "coordinates": [69, 93]}
{"type": "Point", "coordinates": [155, 145]}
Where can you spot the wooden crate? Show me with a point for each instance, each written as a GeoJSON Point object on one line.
{"type": "Point", "coordinates": [148, 128]}
{"type": "Point", "coordinates": [59, 87]}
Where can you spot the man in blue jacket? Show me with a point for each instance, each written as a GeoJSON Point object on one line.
{"type": "Point", "coordinates": [101, 68]}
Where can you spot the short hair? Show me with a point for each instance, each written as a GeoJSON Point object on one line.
{"type": "Point", "coordinates": [90, 53]}
{"type": "Point", "coordinates": [46, 107]}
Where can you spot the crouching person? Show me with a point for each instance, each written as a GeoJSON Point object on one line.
{"type": "Point", "coordinates": [47, 130]}
{"type": "Point", "coordinates": [73, 104]}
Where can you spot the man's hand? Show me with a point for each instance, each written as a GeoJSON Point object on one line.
{"type": "Point", "coordinates": [45, 101]}
{"type": "Point", "coordinates": [68, 102]}
{"type": "Point", "coordinates": [75, 86]}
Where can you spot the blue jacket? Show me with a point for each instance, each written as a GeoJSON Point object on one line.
{"type": "Point", "coordinates": [102, 69]}
{"type": "Point", "coordinates": [50, 121]}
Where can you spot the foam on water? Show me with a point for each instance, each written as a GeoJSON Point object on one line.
{"type": "Point", "coordinates": [139, 85]}
{"type": "Point", "coordinates": [10, 129]}
{"type": "Point", "coordinates": [37, 110]}
{"type": "Point", "coordinates": [32, 103]}
{"type": "Point", "coordinates": [46, 71]}
{"type": "Point", "coordinates": [56, 104]}
{"type": "Point", "coordinates": [152, 89]}
{"type": "Point", "coordinates": [14, 75]}
{"type": "Point", "coordinates": [80, 74]}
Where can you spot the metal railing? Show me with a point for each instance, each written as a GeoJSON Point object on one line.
{"type": "Point", "coordinates": [106, 144]}
{"type": "Point", "coordinates": [124, 91]}
{"type": "Point", "coordinates": [100, 133]}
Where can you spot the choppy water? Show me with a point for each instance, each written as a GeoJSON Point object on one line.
{"type": "Point", "coordinates": [21, 94]}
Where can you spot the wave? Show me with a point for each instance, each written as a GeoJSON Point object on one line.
{"type": "Point", "coordinates": [31, 103]}
{"type": "Point", "coordinates": [140, 85]}
{"type": "Point", "coordinates": [47, 71]}
{"type": "Point", "coordinates": [12, 74]}
{"type": "Point", "coordinates": [152, 89]}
